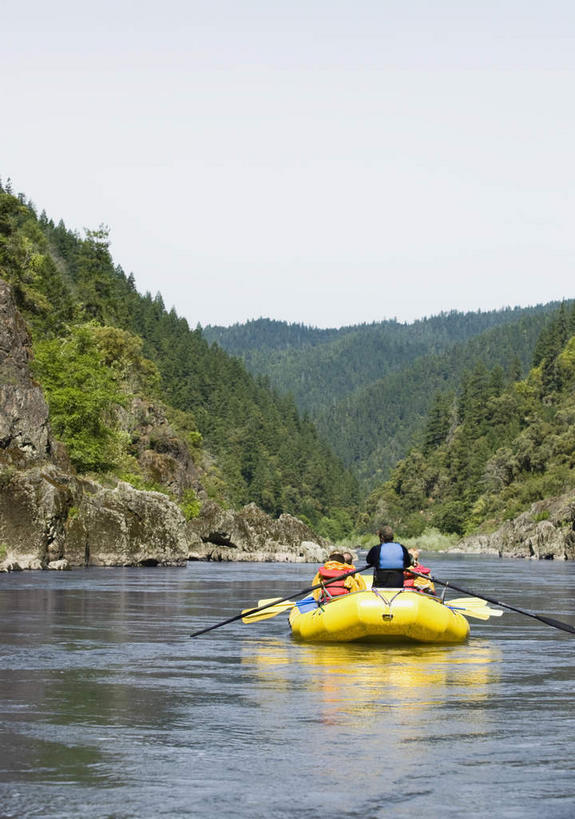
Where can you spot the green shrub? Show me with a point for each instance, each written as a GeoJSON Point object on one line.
{"type": "Point", "coordinates": [190, 504]}
{"type": "Point", "coordinates": [82, 393]}
{"type": "Point", "coordinates": [544, 515]}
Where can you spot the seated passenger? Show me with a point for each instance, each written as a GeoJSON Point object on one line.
{"type": "Point", "coordinates": [335, 565]}
{"type": "Point", "coordinates": [411, 581]}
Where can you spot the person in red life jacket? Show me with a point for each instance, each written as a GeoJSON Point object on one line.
{"type": "Point", "coordinates": [411, 581]}
{"type": "Point", "coordinates": [389, 559]}
{"type": "Point", "coordinates": [334, 566]}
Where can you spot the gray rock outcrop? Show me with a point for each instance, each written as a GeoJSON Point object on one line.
{"type": "Point", "coordinates": [24, 431]}
{"type": "Point", "coordinates": [252, 535]}
{"type": "Point", "coordinates": [125, 527]}
{"type": "Point", "coordinates": [34, 506]}
{"type": "Point", "coordinates": [545, 531]}
{"type": "Point", "coordinates": [48, 518]}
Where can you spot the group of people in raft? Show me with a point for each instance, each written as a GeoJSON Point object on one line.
{"type": "Point", "coordinates": [391, 563]}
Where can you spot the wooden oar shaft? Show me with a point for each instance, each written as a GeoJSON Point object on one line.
{"type": "Point", "coordinates": [275, 602]}
{"type": "Point", "coordinates": [550, 621]}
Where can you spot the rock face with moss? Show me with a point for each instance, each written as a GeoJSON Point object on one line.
{"type": "Point", "coordinates": [51, 517]}
{"type": "Point", "coordinates": [49, 514]}
{"type": "Point", "coordinates": [24, 435]}
{"type": "Point", "coordinates": [125, 527]}
{"type": "Point", "coordinates": [545, 531]}
{"type": "Point", "coordinates": [251, 535]}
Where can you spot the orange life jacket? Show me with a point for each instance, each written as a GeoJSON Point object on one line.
{"type": "Point", "coordinates": [334, 589]}
{"type": "Point", "coordinates": [409, 579]}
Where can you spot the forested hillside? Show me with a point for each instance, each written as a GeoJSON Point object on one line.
{"type": "Point", "coordinates": [490, 451]}
{"type": "Point", "coordinates": [369, 387]}
{"type": "Point", "coordinates": [373, 428]}
{"type": "Point", "coordinates": [97, 341]}
{"type": "Point", "coordinates": [320, 367]}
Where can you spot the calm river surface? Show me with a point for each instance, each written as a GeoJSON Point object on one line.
{"type": "Point", "coordinates": [108, 709]}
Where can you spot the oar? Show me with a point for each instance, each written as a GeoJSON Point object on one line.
{"type": "Point", "coordinates": [550, 621]}
{"type": "Point", "coordinates": [248, 612]}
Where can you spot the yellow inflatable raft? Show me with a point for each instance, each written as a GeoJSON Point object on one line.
{"type": "Point", "coordinates": [378, 615]}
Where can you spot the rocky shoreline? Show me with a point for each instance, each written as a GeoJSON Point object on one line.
{"type": "Point", "coordinates": [546, 531]}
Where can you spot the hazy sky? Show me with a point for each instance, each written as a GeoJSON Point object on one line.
{"type": "Point", "coordinates": [329, 162]}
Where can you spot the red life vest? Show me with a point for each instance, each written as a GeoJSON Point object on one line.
{"type": "Point", "coordinates": [334, 589]}
{"type": "Point", "coordinates": [409, 579]}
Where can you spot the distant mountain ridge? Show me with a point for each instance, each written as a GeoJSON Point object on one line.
{"type": "Point", "coordinates": [369, 386]}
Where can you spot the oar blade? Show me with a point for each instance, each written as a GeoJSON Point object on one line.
{"type": "Point", "coordinates": [270, 612]}
{"type": "Point", "coordinates": [479, 613]}
{"type": "Point", "coordinates": [269, 600]}
{"type": "Point", "coordinates": [466, 602]}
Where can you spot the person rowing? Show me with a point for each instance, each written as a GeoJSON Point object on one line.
{"type": "Point", "coordinates": [389, 560]}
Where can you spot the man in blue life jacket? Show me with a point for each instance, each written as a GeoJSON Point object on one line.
{"type": "Point", "coordinates": [389, 560]}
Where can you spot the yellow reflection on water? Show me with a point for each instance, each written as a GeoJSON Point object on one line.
{"type": "Point", "coordinates": [354, 680]}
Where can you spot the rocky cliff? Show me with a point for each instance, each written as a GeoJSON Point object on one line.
{"type": "Point", "coordinates": [24, 431]}
{"type": "Point", "coordinates": [545, 531]}
{"type": "Point", "coordinates": [51, 517]}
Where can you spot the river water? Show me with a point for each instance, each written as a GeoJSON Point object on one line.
{"type": "Point", "coordinates": [108, 709]}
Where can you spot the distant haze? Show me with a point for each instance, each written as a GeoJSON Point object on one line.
{"type": "Point", "coordinates": [319, 162]}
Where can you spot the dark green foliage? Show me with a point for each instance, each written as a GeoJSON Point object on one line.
{"type": "Point", "coordinates": [27, 264]}
{"type": "Point", "coordinates": [512, 445]}
{"type": "Point", "coordinates": [265, 451]}
{"type": "Point", "coordinates": [372, 429]}
{"type": "Point", "coordinates": [439, 422]}
{"type": "Point", "coordinates": [370, 387]}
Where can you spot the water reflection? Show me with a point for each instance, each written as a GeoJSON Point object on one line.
{"type": "Point", "coordinates": [349, 679]}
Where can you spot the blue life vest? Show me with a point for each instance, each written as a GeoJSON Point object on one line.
{"type": "Point", "coordinates": [390, 556]}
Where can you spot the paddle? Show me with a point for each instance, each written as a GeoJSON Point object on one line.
{"type": "Point", "coordinates": [248, 612]}
{"type": "Point", "coordinates": [472, 607]}
{"type": "Point", "coordinates": [273, 611]}
{"type": "Point", "coordinates": [479, 612]}
{"type": "Point", "coordinates": [550, 621]}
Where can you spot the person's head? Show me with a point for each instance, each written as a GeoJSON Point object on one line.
{"type": "Point", "coordinates": [415, 554]}
{"type": "Point", "coordinates": [385, 534]}
{"type": "Point", "coordinates": [348, 557]}
{"type": "Point", "coordinates": [337, 556]}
